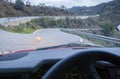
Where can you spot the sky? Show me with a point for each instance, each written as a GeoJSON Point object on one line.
{"type": "Point", "coordinates": [68, 3]}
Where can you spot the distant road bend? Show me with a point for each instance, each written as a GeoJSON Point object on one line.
{"type": "Point", "coordinates": [12, 21]}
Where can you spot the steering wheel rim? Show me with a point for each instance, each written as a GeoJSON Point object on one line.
{"type": "Point", "coordinates": [84, 59]}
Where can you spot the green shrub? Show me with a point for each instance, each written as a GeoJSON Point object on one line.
{"type": "Point", "coordinates": [19, 5]}
{"type": "Point", "coordinates": [108, 29]}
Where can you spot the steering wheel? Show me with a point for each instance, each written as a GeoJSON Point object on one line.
{"type": "Point", "coordinates": [84, 60]}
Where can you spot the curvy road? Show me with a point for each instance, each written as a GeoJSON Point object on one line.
{"type": "Point", "coordinates": [39, 39]}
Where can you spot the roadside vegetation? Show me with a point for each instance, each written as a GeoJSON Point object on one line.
{"type": "Point", "coordinates": [26, 28]}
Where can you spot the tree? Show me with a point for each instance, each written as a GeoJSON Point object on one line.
{"type": "Point", "coordinates": [19, 5]}
{"type": "Point", "coordinates": [108, 29]}
{"type": "Point", "coordinates": [63, 7]}
{"type": "Point", "coordinates": [28, 3]}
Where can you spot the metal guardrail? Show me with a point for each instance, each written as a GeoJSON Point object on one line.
{"type": "Point", "coordinates": [100, 37]}
{"type": "Point", "coordinates": [4, 21]}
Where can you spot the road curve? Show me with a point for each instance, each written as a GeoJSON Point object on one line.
{"type": "Point", "coordinates": [47, 37]}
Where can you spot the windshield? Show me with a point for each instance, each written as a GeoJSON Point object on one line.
{"type": "Point", "coordinates": [33, 24]}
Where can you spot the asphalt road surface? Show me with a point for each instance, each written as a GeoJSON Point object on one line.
{"type": "Point", "coordinates": [39, 39]}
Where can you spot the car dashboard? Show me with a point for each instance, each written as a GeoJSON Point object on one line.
{"type": "Point", "coordinates": [34, 64]}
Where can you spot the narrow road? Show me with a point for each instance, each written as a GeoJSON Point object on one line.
{"type": "Point", "coordinates": [13, 21]}
{"type": "Point", "coordinates": [39, 39]}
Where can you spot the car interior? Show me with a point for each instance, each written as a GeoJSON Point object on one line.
{"type": "Point", "coordinates": [63, 63]}
{"type": "Point", "coordinates": [64, 39]}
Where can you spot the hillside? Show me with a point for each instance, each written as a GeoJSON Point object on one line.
{"type": "Point", "coordinates": [7, 10]}
{"type": "Point", "coordinates": [83, 10]}
{"type": "Point", "coordinates": [111, 12]}
{"type": "Point", "coordinates": [108, 11]}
